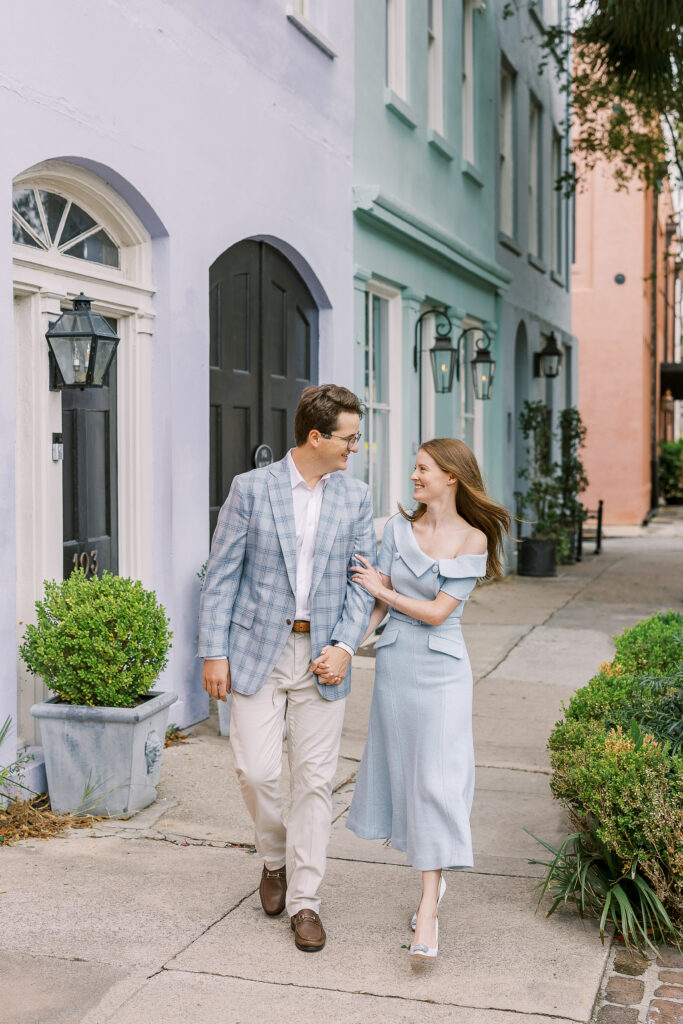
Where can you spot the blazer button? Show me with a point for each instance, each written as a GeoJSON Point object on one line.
{"type": "Point", "coordinates": [289, 622]}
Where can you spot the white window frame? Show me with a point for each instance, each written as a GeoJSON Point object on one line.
{"type": "Point", "coordinates": [435, 65]}
{"type": "Point", "coordinates": [534, 183]}
{"type": "Point", "coordinates": [506, 145]}
{"type": "Point", "coordinates": [395, 34]}
{"type": "Point", "coordinates": [471, 413]}
{"type": "Point", "coordinates": [394, 405]}
{"type": "Point", "coordinates": [468, 90]}
{"type": "Point", "coordinates": [427, 376]}
{"type": "Point", "coordinates": [556, 206]}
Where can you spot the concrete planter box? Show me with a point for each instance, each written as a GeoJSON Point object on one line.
{"type": "Point", "coordinates": [103, 760]}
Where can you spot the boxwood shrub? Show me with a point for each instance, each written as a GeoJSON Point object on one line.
{"type": "Point", "coordinates": [100, 642]}
{"type": "Point", "coordinates": [615, 768]}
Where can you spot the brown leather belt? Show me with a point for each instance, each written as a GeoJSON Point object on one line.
{"type": "Point", "coordinates": [301, 626]}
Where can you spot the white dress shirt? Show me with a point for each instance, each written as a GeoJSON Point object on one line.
{"type": "Point", "coordinates": [307, 505]}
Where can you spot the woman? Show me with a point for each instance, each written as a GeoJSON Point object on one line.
{"type": "Point", "coordinates": [416, 778]}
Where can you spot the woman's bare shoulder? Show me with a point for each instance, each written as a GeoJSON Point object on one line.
{"type": "Point", "coordinates": [475, 543]}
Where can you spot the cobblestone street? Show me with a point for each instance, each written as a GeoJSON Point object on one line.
{"type": "Point", "coordinates": [157, 919]}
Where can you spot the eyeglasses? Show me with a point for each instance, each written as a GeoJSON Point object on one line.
{"type": "Point", "coordinates": [350, 441]}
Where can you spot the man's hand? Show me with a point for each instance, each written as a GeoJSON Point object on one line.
{"type": "Point", "coordinates": [332, 665]}
{"type": "Point", "coordinates": [216, 678]}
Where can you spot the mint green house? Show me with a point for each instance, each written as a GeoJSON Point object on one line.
{"type": "Point", "coordinates": [424, 229]}
{"type": "Point", "coordinates": [432, 125]}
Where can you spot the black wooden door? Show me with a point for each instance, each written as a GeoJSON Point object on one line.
{"type": "Point", "coordinates": [263, 353]}
{"type": "Point", "coordinates": [89, 480]}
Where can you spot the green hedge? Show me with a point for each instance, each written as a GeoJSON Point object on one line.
{"type": "Point", "coordinates": [617, 766]}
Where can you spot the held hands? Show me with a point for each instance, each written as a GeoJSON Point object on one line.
{"type": "Point", "coordinates": [331, 665]}
{"type": "Point", "coordinates": [216, 678]}
{"type": "Point", "coordinates": [368, 577]}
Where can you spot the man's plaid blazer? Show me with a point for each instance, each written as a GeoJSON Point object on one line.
{"type": "Point", "coordinates": [247, 603]}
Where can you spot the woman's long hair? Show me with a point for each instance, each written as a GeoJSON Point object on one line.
{"type": "Point", "coordinates": [471, 500]}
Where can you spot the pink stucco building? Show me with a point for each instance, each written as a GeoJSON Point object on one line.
{"type": "Point", "coordinates": [612, 284]}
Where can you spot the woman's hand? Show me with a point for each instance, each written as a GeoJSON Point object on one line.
{"type": "Point", "coordinates": [368, 577]}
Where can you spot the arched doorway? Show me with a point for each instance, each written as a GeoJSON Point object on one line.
{"type": "Point", "coordinates": [72, 232]}
{"type": "Point", "coordinates": [521, 396]}
{"type": "Point", "coordinates": [263, 352]}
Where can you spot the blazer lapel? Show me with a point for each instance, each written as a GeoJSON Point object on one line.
{"type": "Point", "coordinates": [280, 491]}
{"type": "Point", "coordinates": [328, 524]}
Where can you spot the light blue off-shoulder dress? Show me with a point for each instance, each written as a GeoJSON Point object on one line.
{"type": "Point", "coordinates": [416, 779]}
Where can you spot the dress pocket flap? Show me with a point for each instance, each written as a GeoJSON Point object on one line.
{"type": "Point", "coordinates": [447, 645]}
{"type": "Point", "coordinates": [387, 637]}
{"type": "Point", "coordinates": [243, 616]}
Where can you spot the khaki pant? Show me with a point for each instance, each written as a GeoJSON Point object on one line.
{"type": "Point", "coordinates": [314, 728]}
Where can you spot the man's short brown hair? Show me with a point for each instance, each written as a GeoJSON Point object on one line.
{"type": "Point", "coordinates": [319, 408]}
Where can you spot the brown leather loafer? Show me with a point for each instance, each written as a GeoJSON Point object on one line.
{"type": "Point", "coordinates": [272, 890]}
{"type": "Point", "coordinates": [309, 934]}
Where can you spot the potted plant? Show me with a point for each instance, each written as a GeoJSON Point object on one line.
{"type": "Point", "coordinates": [671, 471]}
{"type": "Point", "coordinates": [541, 498]}
{"type": "Point", "coordinates": [573, 479]}
{"type": "Point", "coordinates": [100, 645]}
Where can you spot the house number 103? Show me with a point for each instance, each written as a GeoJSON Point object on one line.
{"type": "Point", "coordinates": [86, 561]}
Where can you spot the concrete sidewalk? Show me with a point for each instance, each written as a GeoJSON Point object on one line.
{"type": "Point", "coordinates": [158, 919]}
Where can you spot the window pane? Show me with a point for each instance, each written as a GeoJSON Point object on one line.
{"type": "Point", "coordinates": [380, 346]}
{"type": "Point", "coordinates": [53, 208]}
{"type": "Point", "coordinates": [97, 248]}
{"type": "Point", "coordinates": [379, 456]}
{"type": "Point", "coordinates": [77, 222]}
{"type": "Point", "coordinates": [25, 203]}
{"type": "Point", "coordinates": [22, 236]}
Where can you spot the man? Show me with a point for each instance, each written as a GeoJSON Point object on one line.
{"type": "Point", "coordinates": [277, 591]}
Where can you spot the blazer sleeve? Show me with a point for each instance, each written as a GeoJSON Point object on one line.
{"type": "Point", "coordinates": [223, 574]}
{"type": "Point", "coordinates": [358, 604]}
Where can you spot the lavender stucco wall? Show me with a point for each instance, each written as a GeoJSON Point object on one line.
{"type": "Point", "coordinates": [217, 122]}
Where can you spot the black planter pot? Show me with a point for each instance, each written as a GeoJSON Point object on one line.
{"type": "Point", "coordinates": [537, 557]}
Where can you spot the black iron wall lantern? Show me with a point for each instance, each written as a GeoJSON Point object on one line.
{"type": "Point", "coordinates": [547, 361]}
{"type": "Point", "coordinates": [483, 364]}
{"type": "Point", "coordinates": [83, 346]}
{"type": "Point", "coordinates": [444, 357]}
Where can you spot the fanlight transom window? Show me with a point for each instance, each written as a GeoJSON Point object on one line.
{"type": "Point", "coordinates": [46, 220]}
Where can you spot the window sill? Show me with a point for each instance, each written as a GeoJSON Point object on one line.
{"type": "Point", "coordinates": [558, 279]}
{"type": "Point", "coordinates": [311, 32]}
{"type": "Point", "coordinates": [537, 263]}
{"type": "Point", "coordinates": [440, 145]}
{"type": "Point", "coordinates": [398, 106]}
{"type": "Point", "coordinates": [509, 243]}
{"type": "Point", "coordinates": [471, 172]}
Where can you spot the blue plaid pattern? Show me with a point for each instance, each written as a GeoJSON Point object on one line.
{"type": "Point", "coordinates": [250, 582]}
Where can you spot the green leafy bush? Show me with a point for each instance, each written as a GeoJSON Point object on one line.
{"type": "Point", "coordinates": [652, 646]}
{"type": "Point", "coordinates": [98, 642]}
{"type": "Point", "coordinates": [671, 469]}
{"type": "Point", "coordinates": [617, 761]}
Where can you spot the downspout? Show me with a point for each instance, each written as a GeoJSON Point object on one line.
{"type": "Point", "coordinates": [654, 461]}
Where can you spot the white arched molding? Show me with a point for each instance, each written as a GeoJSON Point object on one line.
{"type": "Point", "coordinates": [45, 282]}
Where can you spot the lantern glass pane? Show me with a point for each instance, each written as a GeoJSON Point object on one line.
{"type": "Point", "coordinates": [550, 365]}
{"type": "Point", "coordinates": [443, 367]}
{"type": "Point", "coordinates": [103, 357]}
{"type": "Point", "coordinates": [72, 356]}
{"type": "Point", "coordinates": [482, 377]}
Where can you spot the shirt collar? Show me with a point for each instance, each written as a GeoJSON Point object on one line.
{"type": "Point", "coordinates": [296, 478]}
